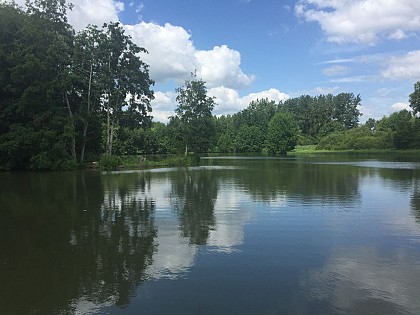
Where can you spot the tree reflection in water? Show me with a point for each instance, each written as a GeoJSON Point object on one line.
{"type": "Point", "coordinates": [194, 194]}
{"type": "Point", "coordinates": [71, 240]}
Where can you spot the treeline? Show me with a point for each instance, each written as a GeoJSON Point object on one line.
{"type": "Point", "coordinates": [67, 98]}
{"type": "Point", "coordinates": [331, 122]}
{"type": "Point", "coordinates": [248, 130]}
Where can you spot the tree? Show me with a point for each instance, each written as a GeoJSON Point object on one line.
{"type": "Point", "coordinates": [249, 139]}
{"type": "Point", "coordinates": [125, 82]}
{"type": "Point", "coordinates": [86, 90]}
{"type": "Point", "coordinates": [401, 124]}
{"type": "Point", "coordinates": [38, 127]}
{"type": "Point", "coordinates": [414, 98]}
{"type": "Point", "coordinates": [193, 118]}
{"type": "Point", "coordinates": [345, 109]}
{"type": "Point", "coordinates": [282, 133]}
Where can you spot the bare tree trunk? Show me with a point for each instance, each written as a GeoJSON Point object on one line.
{"type": "Point", "coordinates": [111, 137]}
{"type": "Point", "coordinates": [73, 138]}
{"type": "Point", "coordinates": [84, 141]}
{"type": "Point", "coordinates": [86, 120]}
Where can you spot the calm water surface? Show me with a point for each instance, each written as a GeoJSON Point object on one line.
{"type": "Point", "coordinates": [233, 236]}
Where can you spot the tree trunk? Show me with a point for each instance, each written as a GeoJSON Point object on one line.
{"type": "Point", "coordinates": [73, 138]}
{"type": "Point", "coordinates": [111, 137]}
{"type": "Point", "coordinates": [85, 121]}
{"type": "Point", "coordinates": [186, 149]}
{"type": "Point", "coordinates": [84, 141]}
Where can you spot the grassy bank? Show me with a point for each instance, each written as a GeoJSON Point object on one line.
{"type": "Point", "coordinates": [311, 149]}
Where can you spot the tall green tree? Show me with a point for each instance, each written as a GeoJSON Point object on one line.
{"type": "Point", "coordinates": [39, 131]}
{"type": "Point", "coordinates": [282, 133]}
{"type": "Point", "coordinates": [86, 90]}
{"type": "Point", "coordinates": [193, 120]}
{"type": "Point", "coordinates": [402, 126]}
{"type": "Point", "coordinates": [414, 98]}
{"type": "Point", "coordinates": [125, 82]}
{"type": "Point", "coordinates": [346, 109]}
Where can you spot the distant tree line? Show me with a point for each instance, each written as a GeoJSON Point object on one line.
{"type": "Point", "coordinates": [67, 98]}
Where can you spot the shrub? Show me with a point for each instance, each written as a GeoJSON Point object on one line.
{"type": "Point", "coordinates": [109, 162]}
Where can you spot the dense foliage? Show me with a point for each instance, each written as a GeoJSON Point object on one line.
{"type": "Point", "coordinates": [193, 124]}
{"type": "Point", "coordinates": [65, 95]}
{"type": "Point", "coordinates": [282, 133]}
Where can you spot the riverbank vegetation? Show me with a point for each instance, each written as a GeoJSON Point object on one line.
{"type": "Point", "coordinates": [68, 99]}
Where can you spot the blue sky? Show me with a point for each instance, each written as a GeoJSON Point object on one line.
{"type": "Point", "coordinates": [249, 49]}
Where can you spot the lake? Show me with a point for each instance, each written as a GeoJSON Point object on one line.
{"type": "Point", "coordinates": [235, 235]}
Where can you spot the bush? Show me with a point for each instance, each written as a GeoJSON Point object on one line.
{"type": "Point", "coordinates": [109, 162]}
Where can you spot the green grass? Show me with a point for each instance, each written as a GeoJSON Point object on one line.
{"type": "Point", "coordinates": [311, 149]}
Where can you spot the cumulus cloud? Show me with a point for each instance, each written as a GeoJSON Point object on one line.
{"type": "Point", "coordinates": [271, 94]}
{"type": "Point", "coordinates": [221, 66]}
{"type": "Point", "coordinates": [87, 12]}
{"type": "Point", "coordinates": [172, 55]}
{"type": "Point", "coordinates": [229, 101]}
{"type": "Point", "coordinates": [94, 12]}
{"type": "Point", "coordinates": [400, 106]}
{"type": "Point", "coordinates": [403, 67]}
{"type": "Point", "coordinates": [363, 21]}
{"type": "Point", "coordinates": [163, 106]}
{"type": "Point", "coordinates": [171, 51]}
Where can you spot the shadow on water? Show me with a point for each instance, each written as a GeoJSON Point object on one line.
{"type": "Point", "coordinates": [70, 241]}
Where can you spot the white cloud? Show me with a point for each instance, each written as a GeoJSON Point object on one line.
{"type": "Point", "coordinates": [403, 67]}
{"type": "Point", "coordinates": [400, 106]}
{"type": "Point", "coordinates": [171, 51]}
{"type": "Point", "coordinates": [398, 34]}
{"type": "Point", "coordinates": [335, 70]}
{"type": "Point", "coordinates": [172, 55]}
{"type": "Point", "coordinates": [353, 79]}
{"type": "Point", "coordinates": [229, 101]}
{"type": "Point", "coordinates": [325, 90]}
{"type": "Point", "coordinates": [163, 106]}
{"type": "Point", "coordinates": [94, 12]}
{"type": "Point", "coordinates": [221, 66]}
{"type": "Point", "coordinates": [271, 94]}
{"type": "Point", "coordinates": [87, 12]}
{"type": "Point", "coordinates": [335, 61]}
{"type": "Point", "coordinates": [363, 21]}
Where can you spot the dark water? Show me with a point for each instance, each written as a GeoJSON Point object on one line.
{"type": "Point", "coordinates": [234, 236]}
